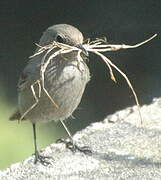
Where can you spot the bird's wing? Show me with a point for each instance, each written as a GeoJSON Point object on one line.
{"type": "Point", "coordinates": [22, 82]}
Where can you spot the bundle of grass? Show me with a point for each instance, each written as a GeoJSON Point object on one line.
{"type": "Point", "coordinates": [97, 47]}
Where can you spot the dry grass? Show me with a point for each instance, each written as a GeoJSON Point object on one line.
{"type": "Point", "coordinates": [97, 47]}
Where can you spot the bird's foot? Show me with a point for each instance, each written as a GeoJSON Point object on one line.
{"type": "Point", "coordinates": [73, 147]}
{"type": "Point", "coordinates": [42, 159]}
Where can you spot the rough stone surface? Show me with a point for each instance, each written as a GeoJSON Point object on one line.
{"type": "Point", "coordinates": [123, 148]}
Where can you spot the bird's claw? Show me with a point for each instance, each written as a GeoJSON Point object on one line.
{"type": "Point", "coordinates": [73, 147]}
{"type": "Point", "coordinates": [42, 159]}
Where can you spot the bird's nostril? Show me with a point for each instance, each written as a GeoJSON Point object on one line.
{"type": "Point", "coordinates": [85, 52]}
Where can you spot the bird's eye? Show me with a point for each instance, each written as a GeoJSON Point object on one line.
{"type": "Point", "coordinates": [59, 39]}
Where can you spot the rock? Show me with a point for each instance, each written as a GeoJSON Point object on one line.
{"type": "Point", "coordinates": [122, 148]}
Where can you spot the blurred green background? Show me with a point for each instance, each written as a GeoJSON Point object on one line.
{"type": "Point", "coordinates": [21, 25]}
{"type": "Point", "coordinates": [16, 140]}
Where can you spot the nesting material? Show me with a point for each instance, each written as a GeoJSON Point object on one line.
{"type": "Point", "coordinates": [98, 47]}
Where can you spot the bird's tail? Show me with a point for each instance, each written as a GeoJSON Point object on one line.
{"type": "Point", "coordinates": [16, 116]}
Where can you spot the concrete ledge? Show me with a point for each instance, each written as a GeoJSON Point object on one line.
{"type": "Point", "coordinates": [122, 149]}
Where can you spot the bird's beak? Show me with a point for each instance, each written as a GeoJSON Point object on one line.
{"type": "Point", "coordinates": [84, 51]}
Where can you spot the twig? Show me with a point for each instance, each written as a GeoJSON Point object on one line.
{"type": "Point", "coordinates": [35, 97]}
{"type": "Point", "coordinates": [97, 47]}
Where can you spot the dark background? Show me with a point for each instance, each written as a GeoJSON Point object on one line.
{"type": "Point", "coordinates": [128, 22]}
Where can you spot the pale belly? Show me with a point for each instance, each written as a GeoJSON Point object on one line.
{"type": "Point", "coordinates": [66, 88]}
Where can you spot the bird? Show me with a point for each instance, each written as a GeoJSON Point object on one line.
{"type": "Point", "coordinates": [63, 80]}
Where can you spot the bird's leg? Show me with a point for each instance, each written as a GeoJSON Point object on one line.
{"type": "Point", "coordinates": [70, 143]}
{"type": "Point", "coordinates": [38, 157]}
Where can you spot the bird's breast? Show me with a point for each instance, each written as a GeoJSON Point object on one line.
{"type": "Point", "coordinates": [65, 83]}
